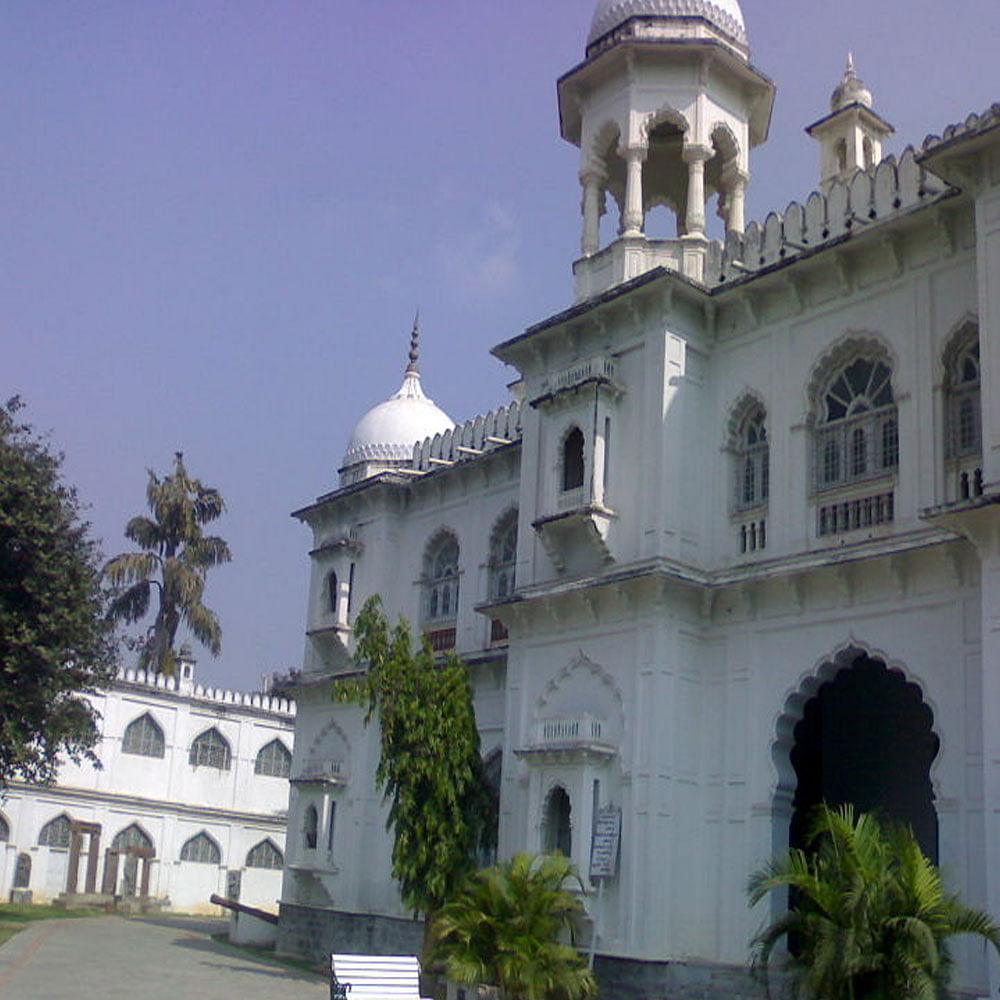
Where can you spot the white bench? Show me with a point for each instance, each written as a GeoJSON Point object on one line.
{"type": "Point", "coordinates": [374, 977]}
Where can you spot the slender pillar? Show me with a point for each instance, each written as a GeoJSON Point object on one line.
{"type": "Point", "coordinates": [592, 184]}
{"type": "Point", "coordinates": [147, 864]}
{"type": "Point", "coordinates": [633, 217]}
{"type": "Point", "coordinates": [695, 157]}
{"type": "Point", "coordinates": [109, 883]}
{"type": "Point", "coordinates": [90, 885]}
{"type": "Point", "coordinates": [73, 868]}
{"type": "Point", "coordinates": [737, 200]}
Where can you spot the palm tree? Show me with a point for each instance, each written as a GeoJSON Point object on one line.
{"type": "Point", "coordinates": [506, 929]}
{"type": "Point", "coordinates": [175, 557]}
{"type": "Point", "coordinates": [870, 917]}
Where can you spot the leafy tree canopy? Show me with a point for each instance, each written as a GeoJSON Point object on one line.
{"type": "Point", "coordinates": [870, 916]}
{"type": "Point", "coordinates": [54, 640]}
{"type": "Point", "coordinates": [174, 559]}
{"type": "Point", "coordinates": [430, 770]}
{"type": "Point", "coordinates": [506, 926]}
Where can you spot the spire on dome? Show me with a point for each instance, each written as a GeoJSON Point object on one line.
{"type": "Point", "coordinates": [413, 368]}
{"type": "Point", "coordinates": [851, 89]}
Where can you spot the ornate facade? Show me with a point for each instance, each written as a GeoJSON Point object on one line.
{"type": "Point", "coordinates": [733, 547]}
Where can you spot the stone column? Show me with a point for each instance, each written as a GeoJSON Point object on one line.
{"type": "Point", "coordinates": [110, 880]}
{"type": "Point", "coordinates": [736, 198]}
{"type": "Point", "coordinates": [592, 183]}
{"type": "Point", "coordinates": [633, 217]}
{"type": "Point", "coordinates": [147, 864]}
{"type": "Point", "coordinates": [73, 868]}
{"type": "Point", "coordinates": [90, 885]}
{"type": "Point", "coordinates": [695, 157]}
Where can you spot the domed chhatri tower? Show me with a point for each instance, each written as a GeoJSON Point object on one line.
{"type": "Point", "coordinates": [850, 137]}
{"type": "Point", "coordinates": [665, 109]}
{"type": "Point", "coordinates": [384, 437]}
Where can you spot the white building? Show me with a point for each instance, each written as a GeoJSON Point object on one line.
{"type": "Point", "coordinates": [734, 547]}
{"type": "Point", "coordinates": [196, 778]}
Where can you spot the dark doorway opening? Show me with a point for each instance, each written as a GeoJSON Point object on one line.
{"type": "Point", "coordinates": [867, 738]}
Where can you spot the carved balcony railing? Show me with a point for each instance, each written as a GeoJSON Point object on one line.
{"type": "Point", "coordinates": [320, 769]}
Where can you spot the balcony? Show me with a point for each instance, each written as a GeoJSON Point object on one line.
{"type": "Point", "coordinates": [321, 770]}
{"type": "Point", "coordinates": [442, 638]}
{"type": "Point", "coordinates": [570, 737]}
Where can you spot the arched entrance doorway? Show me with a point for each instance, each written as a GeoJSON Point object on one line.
{"type": "Point", "coordinates": [866, 737]}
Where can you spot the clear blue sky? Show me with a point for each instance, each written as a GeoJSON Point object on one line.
{"type": "Point", "coordinates": [218, 217]}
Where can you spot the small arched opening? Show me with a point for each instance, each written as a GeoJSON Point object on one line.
{"type": "Point", "coordinates": [865, 737]}
{"type": "Point", "coordinates": [557, 828]}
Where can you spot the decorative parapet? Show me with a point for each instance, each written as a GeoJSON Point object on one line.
{"type": "Point", "coordinates": [219, 696]}
{"type": "Point", "coordinates": [573, 729]}
{"type": "Point", "coordinates": [470, 440]}
{"type": "Point", "coordinates": [568, 738]}
{"type": "Point", "coordinates": [973, 125]}
{"type": "Point", "coordinates": [891, 189]}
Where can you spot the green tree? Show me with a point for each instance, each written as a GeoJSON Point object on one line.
{"type": "Point", "coordinates": [175, 558]}
{"type": "Point", "coordinates": [870, 916]}
{"type": "Point", "coordinates": [507, 927]}
{"type": "Point", "coordinates": [430, 769]}
{"type": "Point", "coordinates": [54, 640]}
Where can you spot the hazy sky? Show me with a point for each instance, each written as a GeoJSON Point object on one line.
{"type": "Point", "coordinates": [217, 220]}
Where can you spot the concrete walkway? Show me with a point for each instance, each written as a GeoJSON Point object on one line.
{"type": "Point", "coordinates": [163, 958]}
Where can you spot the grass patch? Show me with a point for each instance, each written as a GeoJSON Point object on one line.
{"type": "Point", "coordinates": [17, 913]}
{"type": "Point", "coordinates": [15, 917]}
{"type": "Point", "coordinates": [265, 954]}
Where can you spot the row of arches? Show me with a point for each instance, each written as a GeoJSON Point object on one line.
{"type": "Point", "coordinates": [854, 419]}
{"type": "Point", "coordinates": [442, 568]}
{"type": "Point", "coordinates": [201, 848]}
{"type": "Point", "coordinates": [144, 737]}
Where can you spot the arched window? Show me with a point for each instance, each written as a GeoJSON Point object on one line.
{"type": "Point", "coordinates": [202, 850]}
{"type": "Point", "coordinates": [572, 460]}
{"type": "Point", "coordinates": [441, 580]}
{"type": "Point", "coordinates": [752, 460]}
{"type": "Point", "coordinates": [963, 407]}
{"type": "Point", "coordinates": [310, 827]}
{"type": "Point", "coordinates": [265, 855]}
{"type": "Point", "coordinates": [210, 750]}
{"type": "Point", "coordinates": [857, 437]}
{"type": "Point", "coordinates": [274, 759]}
{"type": "Point", "coordinates": [4, 829]}
{"type": "Point", "coordinates": [56, 833]}
{"type": "Point", "coordinates": [557, 828]}
{"type": "Point", "coordinates": [144, 737]}
{"type": "Point", "coordinates": [503, 557]}
{"type": "Point", "coordinates": [131, 836]}
{"type": "Point", "coordinates": [22, 872]}
{"type": "Point", "coordinates": [333, 593]}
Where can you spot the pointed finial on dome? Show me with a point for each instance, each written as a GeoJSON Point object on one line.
{"type": "Point", "coordinates": [850, 90]}
{"type": "Point", "coordinates": [413, 368]}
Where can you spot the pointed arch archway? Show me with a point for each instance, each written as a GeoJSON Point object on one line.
{"type": "Point", "coordinates": [859, 731]}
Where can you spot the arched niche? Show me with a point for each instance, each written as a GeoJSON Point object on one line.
{"type": "Point", "coordinates": [857, 731]}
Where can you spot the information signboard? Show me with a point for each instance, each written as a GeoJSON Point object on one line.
{"type": "Point", "coordinates": [604, 848]}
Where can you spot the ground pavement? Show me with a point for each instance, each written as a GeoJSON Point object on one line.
{"type": "Point", "coordinates": [165, 958]}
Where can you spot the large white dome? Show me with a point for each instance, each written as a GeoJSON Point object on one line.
{"type": "Point", "coordinates": [390, 430]}
{"type": "Point", "coordinates": [724, 14]}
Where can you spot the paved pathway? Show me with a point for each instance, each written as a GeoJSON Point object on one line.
{"type": "Point", "coordinates": [166, 958]}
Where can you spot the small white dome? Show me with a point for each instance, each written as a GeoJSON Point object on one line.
{"type": "Point", "coordinates": [850, 90]}
{"type": "Point", "coordinates": [724, 14]}
{"type": "Point", "coordinates": [391, 429]}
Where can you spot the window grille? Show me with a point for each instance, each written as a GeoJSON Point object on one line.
{"type": "Point", "coordinates": [210, 750]}
{"type": "Point", "coordinates": [859, 436]}
{"type": "Point", "coordinates": [22, 871]}
{"type": "Point", "coordinates": [964, 405]}
{"type": "Point", "coordinates": [752, 462]}
{"type": "Point", "coordinates": [202, 850]}
{"type": "Point", "coordinates": [503, 559]}
{"type": "Point", "coordinates": [442, 580]}
{"type": "Point", "coordinates": [144, 737]}
{"type": "Point", "coordinates": [265, 855]}
{"type": "Point", "coordinates": [131, 836]}
{"type": "Point", "coordinates": [274, 760]}
{"type": "Point", "coordinates": [55, 833]}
